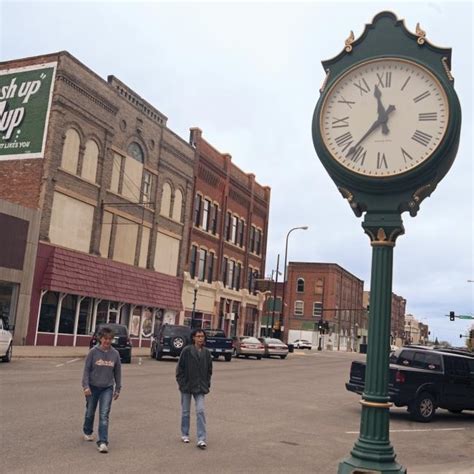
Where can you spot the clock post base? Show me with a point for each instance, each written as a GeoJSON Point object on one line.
{"type": "Point", "coordinates": [352, 465]}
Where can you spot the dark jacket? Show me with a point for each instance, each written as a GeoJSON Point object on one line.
{"type": "Point", "coordinates": [194, 370]}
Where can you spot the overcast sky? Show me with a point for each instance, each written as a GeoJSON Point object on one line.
{"type": "Point", "coordinates": [248, 74]}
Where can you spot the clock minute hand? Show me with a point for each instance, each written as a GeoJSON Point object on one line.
{"type": "Point", "coordinates": [380, 109]}
{"type": "Point", "coordinates": [373, 127]}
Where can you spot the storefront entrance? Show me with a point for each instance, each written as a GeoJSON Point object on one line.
{"type": "Point", "coordinates": [8, 302]}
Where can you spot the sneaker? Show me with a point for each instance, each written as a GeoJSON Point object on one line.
{"type": "Point", "coordinates": [185, 439]}
{"type": "Point", "coordinates": [202, 445]}
{"type": "Point", "coordinates": [103, 448]}
{"type": "Point", "coordinates": [88, 437]}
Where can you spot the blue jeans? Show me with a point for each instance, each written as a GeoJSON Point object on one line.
{"type": "Point", "coordinates": [103, 397]}
{"type": "Point", "coordinates": [200, 414]}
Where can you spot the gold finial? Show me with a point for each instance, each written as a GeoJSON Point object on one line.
{"type": "Point", "coordinates": [421, 34]}
{"type": "Point", "coordinates": [349, 41]}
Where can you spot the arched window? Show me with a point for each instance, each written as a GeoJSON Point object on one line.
{"type": "Point", "coordinates": [300, 285]}
{"type": "Point", "coordinates": [166, 200]}
{"type": "Point", "coordinates": [89, 163]}
{"type": "Point", "coordinates": [135, 151]}
{"type": "Point", "coordinates": [177, 205]}
{"type": "Point", "coordinates": [71, 151]}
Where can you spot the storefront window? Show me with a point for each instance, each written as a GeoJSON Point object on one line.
{"type": "Point", "coordinates": [125, 315]}
{"type": "Point", "coordinates": [68, 312]}
{"type": "Point", "coordinates": [135, 322]}
{"type": "Point", "coordinates": [85, 316]}
{"type": "Point", "coordinates": [8, 299]}
{"type": "Point", "coordinates": [147, 325]}
{"type": "Point", "coordinates": [102, 313]}
{"type": "Point", "coordinates": [48, 312]}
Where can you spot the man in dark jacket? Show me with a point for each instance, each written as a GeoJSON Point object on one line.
{"type": "Point", "coordinates": [193, 374]}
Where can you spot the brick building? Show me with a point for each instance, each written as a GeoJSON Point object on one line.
{"type": "Point", "coordinates": [397, 318]}
{"type": "Point", "coordinates": [227, 244]}
{"type": "Point", "coordinates": [327, 292]}
{"type": "Point", "coordinates": [114, 186]}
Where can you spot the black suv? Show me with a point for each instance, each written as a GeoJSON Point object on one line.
{"type": "Point", "coordinates": [169, 340]}
{"type": "Point", "coordinates": [424, 379]}
{"type": "Point", "coordinates": [121, 340]}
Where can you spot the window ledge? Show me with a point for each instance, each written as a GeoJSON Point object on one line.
{"type": "Point", "coordinates": [93, 183]}
{"type": "Point", "coordinates": [171, 219]}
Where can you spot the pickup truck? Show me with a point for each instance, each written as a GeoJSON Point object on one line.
{"type": "Point", "coordinates": [219, 344]}
{"type": "Point", "coordinates": [424, 380]}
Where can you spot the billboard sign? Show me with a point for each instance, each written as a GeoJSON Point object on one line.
{"type": "Point", "coordinates": [25, 101]}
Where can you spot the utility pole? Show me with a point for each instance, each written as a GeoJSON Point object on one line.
{"type": "Point", "coordinates": [275, 293]}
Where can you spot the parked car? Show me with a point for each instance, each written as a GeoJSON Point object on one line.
{"type": "Point", "coordinates": [121, 341]}
{"type": "Point", "coordinates": [424, 380]}
{"type": "Point", "coordinates": [169, 340]}
{"type": "Point", "coordinates": [6, 343]}
{"type": "Point", "coordinates": [248, 346]}
{"type": "Point", "coordinates": [219, 344]}
{"type": "Point", "coordinates": [274, 347]}
{"type": "Point", "coordinates": [302, 344]}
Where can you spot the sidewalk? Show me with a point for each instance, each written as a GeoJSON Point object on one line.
{"type": "Point", "coordinates": [64, 351]}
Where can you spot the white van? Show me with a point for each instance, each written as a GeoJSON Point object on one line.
{"type": "Point", "coordinates": [6, 343]}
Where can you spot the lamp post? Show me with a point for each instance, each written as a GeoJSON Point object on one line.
{"type": "Point", "coordinates": [196, 288]}
{"type": "Point", "coordinates": [282, 314]}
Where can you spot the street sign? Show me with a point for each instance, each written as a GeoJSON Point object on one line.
{"type": "Point", "coordinates": [461, 316]}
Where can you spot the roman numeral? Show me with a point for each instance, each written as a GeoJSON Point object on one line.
{"type": "Point", "coordinates": [381, 161]}
{"type": "Point", "coordinates": [343, 139]}
{"type": "Point", "coordinates": [388, 79]}
{"type": "Point", "coordinates": [347, 102]}
{"type": "Point", "coordinates": [427, 116]}
{"type": "Point", "coordinates": [359, 154]}
{"type": "Point", "coordinates": [406, 155]}
{"type": "Point", "coordinates": [405, 83]}
{"type": "Point", "coordinates": [422, 96]}
{"type": "Point", "coordinates": [361, 87]}
{"type": "Point", "coordinates": [421, 137]}
{"type": "Point", "coordinates": [340, 123]}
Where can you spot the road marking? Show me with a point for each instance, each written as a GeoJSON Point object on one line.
{"type": "Point", "coordinates": [416, 430]}
{"type": "Point", "coordinates": [59, 365]}
{"type": "Point", "coordinates": [71, 361]}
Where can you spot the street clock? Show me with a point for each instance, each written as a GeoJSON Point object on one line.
{"type": "Point", "coordinates": [388, 119]}
{"type": "Point", "coordinates": [386, 128]}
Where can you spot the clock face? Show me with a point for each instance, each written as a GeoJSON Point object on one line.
{"type": "Point", "coordinates": [384, 117]}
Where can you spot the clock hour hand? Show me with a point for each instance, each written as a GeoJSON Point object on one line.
{"type": "Point", "coordinates": [380, 109]}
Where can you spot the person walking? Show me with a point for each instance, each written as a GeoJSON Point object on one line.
{"type": "Point", "coordinates": [102, 370]}
{"type": "Point", "coordinates": [193, 374]}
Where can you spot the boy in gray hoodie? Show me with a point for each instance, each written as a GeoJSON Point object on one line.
{"type": "Point", "coordinates": [102, 370]}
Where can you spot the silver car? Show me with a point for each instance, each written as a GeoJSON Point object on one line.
{"type": "Point", "coordinates": [248, 346]}
{"type": "Point", "coordinates": [274, 347]}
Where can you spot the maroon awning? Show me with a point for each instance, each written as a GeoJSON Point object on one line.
{"type": "Point", "coordinates": [77, 273]}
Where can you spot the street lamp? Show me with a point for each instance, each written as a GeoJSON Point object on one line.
{"type": "Point", "coordinates": [282, 322]}
{"type": "Point", "coordinates": [196, 288]}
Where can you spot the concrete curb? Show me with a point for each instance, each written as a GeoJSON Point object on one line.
{"type": "Point", "coordinates": [49, 352]}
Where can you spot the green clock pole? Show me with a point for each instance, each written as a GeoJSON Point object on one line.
{"type": "Point", "coordinates": [373, 452]}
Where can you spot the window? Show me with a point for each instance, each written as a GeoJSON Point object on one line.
{"type": "Point", "coordinates": [146, 187]}
{"type": "Point", "coordinates": [228, 220]}
{"type": "Point", "coordinates": [241, 232]}
{"type": "Point", "coordinates": [427, 361]}
{"type": "Point", "coordinates": [299, 308]}
{"type": "Point", "coordinates": [317, 309]}
{"type": "Point", "coordinates": [238, 271]}
{"type": "Point", "coordinates": [197, 210]}
{"type": "Point", "coordinates": [177, 205]}
{"type": "Point", "coordinates": [258, 241]}
{"type": "Point", "coordinates": [135, 151]}
{"type": "Point", "coordinates": [89, 162]}
{"type": "Point", "coordinates": [206, 207]}
{"type": "Point", "coordinates": [70, 155]}
{"type": "Point", "coordinates": [193, 261]}
{"type": "Point", "coordinates": [456, 366]}
{"type": "Point", "coordinates": [214, 219]}
{"type": "Point", "coordinates": [319, 287]}
{"type": "Point", "coordinates": [202, 264]}
{"type": "Point", "coordinates": [233, 235]}
{"type": "Point", "coordinates": [210, 268]}
{"type": "Point", "coordinates": [252, 239]}
{"type": "Point", "coordinates": [224, 270]}
{"type": "Point", "coordinates": [300, 285]}
{"type": "Point", "coordinates": [166, 200]}
{"type": "Point", "coordinates": [230, 274]}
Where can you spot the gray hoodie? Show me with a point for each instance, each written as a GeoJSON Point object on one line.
{"type": "Point", "coordinates": [102, 369]}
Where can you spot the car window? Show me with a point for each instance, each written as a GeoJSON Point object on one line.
{"type": "Point", "coordinates": [118, 330]}
{"type": "Point", "coordinates": [456, 366]}
{"type": "Point", "coordinates": [275, 341]}
{"type": "Point", "coordinates": [425, 360]}
{"type": "Point", "coordinates": [251, 340]}
{"type": "Point", "coordinates": [176, 331]}
{"type": "Point", "coordinates": [470, 362]}
{"type": "Point", "coordinates": [215, 333]}
{"type": "Point", "coordinates": [406, 358]}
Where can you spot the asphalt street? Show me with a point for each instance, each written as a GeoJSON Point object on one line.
{"type": "Point", "coordinates": [268, 416]}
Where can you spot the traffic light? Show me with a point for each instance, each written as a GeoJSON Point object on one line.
{"type": "Point", "coordinates": [452, 317]}
{"type": "Point", "coordinates": [320, 325]}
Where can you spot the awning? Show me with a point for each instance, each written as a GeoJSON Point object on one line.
{"type": "Point", "coordinates": [78, 273]}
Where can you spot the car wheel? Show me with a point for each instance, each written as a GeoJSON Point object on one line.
{"type": "Point", "coordinates": [228, 357]}
{"type": "Point", "coordinates": [158, 355]}
{"type": "Point", "coordinates": [152, 352]}
{"type": "Point", "coordinates": [283, 357]}
{"type": "Point", "coordinates": [423, 408]}
{"type": "Point", "coordinates": [128, 360]}
{"type": "Point", "coordinates": [215, 356]}
{"type": "Point", "coordinates": [455, 411]}
{"type": "Point", "coordinates": [309, 348]}
{"type": "Point", "coordinates": [178, 342]}
{"type": "Point", "coordinates": [246, 356]}
{"type": "Point", "coordinates": [259, 357]}
{"type": "Point", "coordinates": [8, 355]}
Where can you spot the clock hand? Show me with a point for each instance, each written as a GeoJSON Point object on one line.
{"type": "Point", "coordinates": [380, 109]}
{"type": "Point", "coordinates": [373, 127]}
